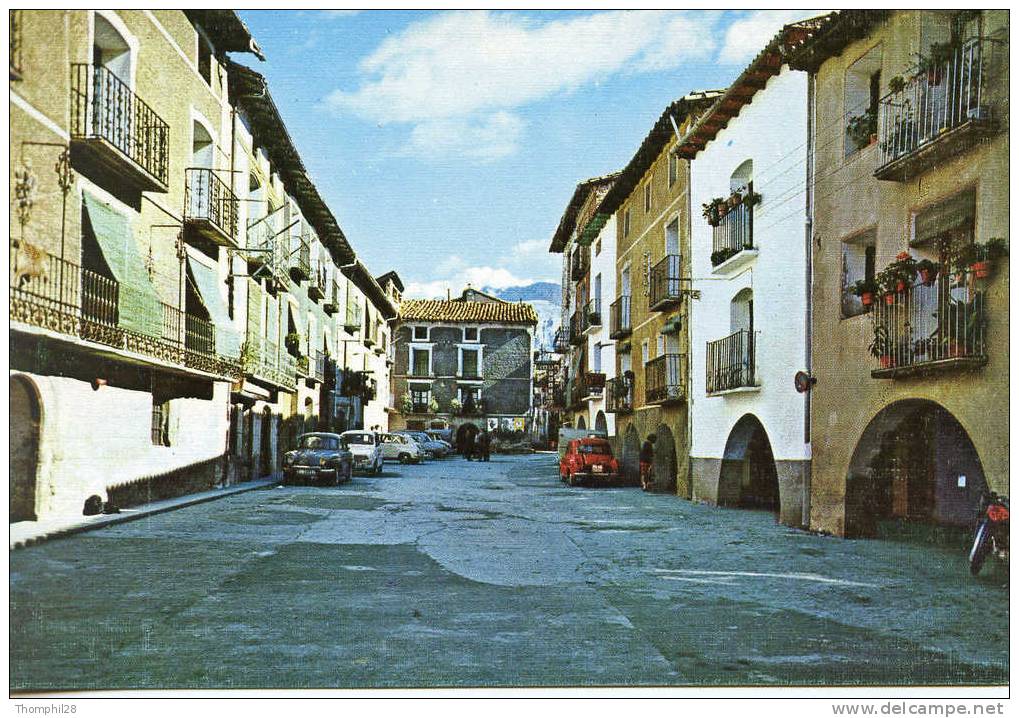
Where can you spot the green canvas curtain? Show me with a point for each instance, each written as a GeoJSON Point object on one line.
{"type": "Point", "coordinates": [954, 212]}
{"type": "Point", "coordinates": [206, 279]}
{"type": "Point", "coordinates": [140, 308]}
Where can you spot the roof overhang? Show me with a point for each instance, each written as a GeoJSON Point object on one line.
{"type": "Point", "coordinates": [227, 31]}
{"type": "Point", "coordinates": [363, 280]}
{"type": "Point", "coordinates": [568, 222]}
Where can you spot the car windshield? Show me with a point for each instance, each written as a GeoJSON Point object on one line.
{"type": "Point", "coordinates": [358, 439]}
{"type": "Point", "coordinates": [598, 448]}
{"type": "Point", "coordinates": [329, 443]}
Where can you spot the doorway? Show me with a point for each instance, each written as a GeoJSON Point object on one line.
{"type": "Point", "coordinates": [25, 416]}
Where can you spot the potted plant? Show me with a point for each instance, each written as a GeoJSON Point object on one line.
{"type": "Point", "coordinates": [712, 210]}
{"type": "Point", "coordinates": [865, 289]}
{"type": "Point", "coordinates": [862, 129]}
{"type": "Point", "coordinates": [887, 281]}
{"type": "Point", "coordinates": [928, 271]}
{"type": "Point", "coordinates": [904, 268]}
{"type": "Point", "coordinates": [984, 257]}
{"type": "Point", "coordinates": [933, 64]}
{"type": "Point", "coordinates": [752, 198]}
{"type": "Point", "coordinates": [455, 405]}
{"type": "Point", "coordinates": [734, 200]}
{"type": "Point", "coordinates": [433, 406]}
{"type": "Point", "coordinates": [292, 342]}
{"type": "Point", "coordinates": [407, 403]}
{"type": "Point", "coordinates": [881, 347]}
{"type": "Point", "coordinates": [896, 84]}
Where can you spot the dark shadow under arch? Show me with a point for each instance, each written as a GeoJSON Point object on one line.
{"type": "Point", "coordinates": [25, 433]}
{"type": "Point", "coordinates": [748, 477]}
{"type": "Point", "coordinates": [600, 423]}
{"type": "Point", "coordinates": [629, 461]}
{"type": "Point", "coordinates": [664, 466]}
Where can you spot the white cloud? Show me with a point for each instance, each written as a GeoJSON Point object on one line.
{"type": "Point", "coordinates": [748, 35]}
{"type": "Point", "coordinates": [332, 14]}
{"type": "Point", "coordinates": [459, 73]}
{"type": "Point", "coordinates": [479, 277]}
{"type": "Point", "coordinates": [527, 262]}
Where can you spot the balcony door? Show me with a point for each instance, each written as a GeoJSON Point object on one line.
{"type": "Point", "coordinates": [199, 182]}
{"type": "Point", "coordinates": [624, 282]}
{"type": "Point", "coordinates": [111, 117]}
{"type": "Point", "coordinates": [741, 312]}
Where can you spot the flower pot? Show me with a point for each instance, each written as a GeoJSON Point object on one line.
{"type": "Point", "coordinates": [889, 299]}
{"type": "Point", "coordinates": [887, 361]}
{"type": "Point", "coordinates": [981, 269]}
{"type": "Point", "coordinates": [954, 350]}
{"type": "Point", "coordinates": [733, 201]}
{"type": "Point", "coordinates": [867, 298]}
{"type": "Point", "coordinates": [900, 286]}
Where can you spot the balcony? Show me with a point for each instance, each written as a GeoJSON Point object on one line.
{"type": "Point", "coordinates": [210, 207]}
{"type": "Point", "coordinates": [576, 328]}
{"type": "Point", "coordinates": [317, 363]}
{"type": "Point", "coordinates": [579, 265]}
{"type": "Point", "coordinates": [352, 320]}
{"type": "Point", "coordinates": [591, 317]}
{"type": "Point", "coordinates": [665, 379]}
{"type": "Point", "coordinates": [619, 318]}
{"type": "Point", "coordinates": [112, 128]}
{"type": "Point", "coordinates": [940, 326]}
{"type": "Point", "coordinates": [332, 298]}
{"type": "Point", "coordinates": [730, 364]}
{"type": "Point", "coordinates": [303, 366]}
{"type": "Point", "coordinates": [545, 359]}
{"type": "Point", "coordinates": [620, 395]}
{"type": "Point", "coordinates": [665, 284]}
{"type": "Point", "coordinates": [263, 362]}
{"type": "Point", "coordinates": [732, 241]}
{"type": "Point", "coordinates": [61, 297]}
{"type": "Point", "coordinates": [299, 265]}
{"type": "Point", "coordinates": [942, 110]}
{"type": "Point", "coordinates": [561, 342]}
{"type": "Point", "coordinates": [317, 285]}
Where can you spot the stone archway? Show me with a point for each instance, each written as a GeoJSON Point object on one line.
{"type": "Point", "coordinates": [749, 478]}
{"type": "Point", "coordinates": [629, 462]}
{"type": "Point", "coordinates": [581, 424]}
{"type": "Point", "coordinates": [664, 467]}
{"type": "Point", "coordinates": [600, 423]}
{"type": "Point", "coordinates": [913, 463]}
{"type": "Point", "coordinates": [25, 428]}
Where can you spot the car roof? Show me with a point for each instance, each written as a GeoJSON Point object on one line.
{"type": "Point", "coordinates": [595, 440]}
{"type": "Point", "coordinates": [320, 433]}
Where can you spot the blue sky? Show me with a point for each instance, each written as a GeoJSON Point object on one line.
{"type": "Point", "coordinates": [448, 143]}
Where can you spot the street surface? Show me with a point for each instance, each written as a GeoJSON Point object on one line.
{"type": "Point", "coordinates": [457, 574]}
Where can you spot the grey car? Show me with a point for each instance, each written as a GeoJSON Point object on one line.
{"type": "Point", "coordinates": [318, 458]}
{"type": "Point", "coordinates": [434, 448]}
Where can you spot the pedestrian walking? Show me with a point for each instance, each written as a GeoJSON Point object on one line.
{"type": "Point", "coordinates": [469, 445]}
{"type": "Point", "coordinates": [647, 457]}
{"type": "Point", "coordinates": [486, 445]}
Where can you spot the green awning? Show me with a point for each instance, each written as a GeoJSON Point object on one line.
{"type": "Point", "coordinates": [206, 280]}
{"type": "Point", "coordinates": [953, 213]}
{"type": "Point", "coordinates": [593, 228]}
{"type": "Point", "coordinates": [140, 309]}
{"type": "Point", "coordinates": [673, 325]}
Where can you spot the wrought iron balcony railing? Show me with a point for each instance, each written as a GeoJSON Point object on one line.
{"type": "Point", "coordinates": [941, 109]}
{"type": "Point", "coordinates": [210, 206]}
{"type": "Point", "coordinates": [620, 395]}
{"type": "Point", "coordinates": [731, 362]}
{"type": "Point", "coordinates": [352, 321]}
{"type": "Point", "coordinates": [300, 258]}
{"type": "Point", "coordinates": [665, 379]}
{"type": "Point", "coordinates": [576, 327]}
{"type": "Point", "coordinates": [579, 265]}
{"type": "Point", "coordinates": [733, 234]}
{"type": "Point", "coordinates": [666, 283]}
{"type": "Point", "coordinates": [619, 318]}
{"type": "Point", "coordinates": [62, 297]}
{"type": "Point", "coordinates": [929, 327]}
{"type": "Point", "coordinates": [544, 359]}
{"type": "Point", "coordinates": [561, 342]}
{"type": "Point", "coordinates": [591, 316]}
{"type": "Point", "coordinates": [318, 366]}
{"type": "Point", "coordinates": [109, 121]}
{"type": "Point", "coordinates": [318, 282]}
{"type": "Point", "coordinates": [332, 298]}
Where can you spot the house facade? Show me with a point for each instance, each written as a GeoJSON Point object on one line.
{"type": "Point", "coordinates": [463, 364]}
{"type": "Point", "coordinates": [910, 408]}
{"type": "Point", "coordinates": [748, 332]}
{"type": "Point", "coordinates": [648, 318]}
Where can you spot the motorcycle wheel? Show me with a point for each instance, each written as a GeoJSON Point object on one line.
{"type": "Point", "coordinates": [981, 547]}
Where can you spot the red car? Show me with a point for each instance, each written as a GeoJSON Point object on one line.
{"type": "Point", "coordinates": [588, 460]}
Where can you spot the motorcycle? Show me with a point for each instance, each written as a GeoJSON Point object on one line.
{"type": "Point", "coordinates": [991, 534]}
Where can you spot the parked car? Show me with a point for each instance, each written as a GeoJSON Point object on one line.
{"type": "Point", "coordinates": [434, 448]}
{"type": "Point", "coordinates": [366, 448]}
{"type": "Point", "coordinates": [588, 461]}
{"type": "Point", "coordinates": [567, 433]}
{"type": "Point", "coordinates": [445, 435]}
{"type": "Point", "coordinates": [397, 447]}
{"type": "Point", "coordinates": [319, 457]}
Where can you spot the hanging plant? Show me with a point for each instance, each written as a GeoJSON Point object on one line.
{"type": "Point", "coordinates": [292, 342]}
{"type": "Point", "coordinates": [865, 289]}
{"type": "Point", "coordinates": [407, 403]}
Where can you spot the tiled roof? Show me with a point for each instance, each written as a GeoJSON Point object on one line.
{"type": "Point", "coordinates": [441, 310]}
{"type": "Point", "coordinates": [568, 222]}
{"type": "Point", "coordinates": [828, 35]}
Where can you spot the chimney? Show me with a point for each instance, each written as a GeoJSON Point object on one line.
{"type": "Point", "coordinates": [448, 295]}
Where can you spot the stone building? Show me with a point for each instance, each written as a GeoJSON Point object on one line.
{"type": "Point", "coordinates": [463, 364]}
{"type": "Point", "coordinates": [648, 318]}
{"type": "Point", "coordinates": [909, 413]}
{"type": "Point", "coordinates": [179, 290]}
{"type": "Point", "coordinates": [587, 241]}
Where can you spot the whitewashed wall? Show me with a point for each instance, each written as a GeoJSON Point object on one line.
{"type": "Point", "coordinates": [605, 264]}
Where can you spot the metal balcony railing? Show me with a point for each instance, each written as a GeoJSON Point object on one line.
{"type": "Point", "coordinates": [194, 333]}
{"type": "Point", "coordinates": [576, 327]}
{"type": "Point", "coordinates": [940, 108]}
{"type": "Point", "coordinates": [578, 265]}
{"type": "Point", "coordinates": [733, 233]}
{"type": "Point", "coordinates": [665, 379]}
{"type": "Point", "coordinates": [544, 359]}
{"type": "Point", "coordinates": [352, 321]}
{"type": "Point", "coordinates": [300, 258]}
{"type": "Point", "coordinates": [619, 318]}
{"type": "Point", "coordinates": [666, 283]}
{"type": "Point", "coordinates": [590, 315]}
{"type": "Point", "coordinates": [318, 366]}
{"type": "Point", "coordinates": [561, 341]}
{"type": "Point", "coordinates": [939, 325]}
{"type": "Point", "coordinates": [210, 205]}
{"type": "Point", "coordinates": [264, 361]}
{"type": "Point", "coordinates": [104, 108]}
{"type": "Point", "coordinates": [730, 362]}
{"type": "Point", "coordinates": [332, 298]}
{"type": "Point", "coordinates": [620, 395]}
{"type": "Point", "coordinates": [318, 283]}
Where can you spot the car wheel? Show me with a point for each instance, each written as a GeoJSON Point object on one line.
{"type": "Point", "coordinates": [404, 458]}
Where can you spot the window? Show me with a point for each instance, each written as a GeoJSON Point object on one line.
{"type": "Point", "coordinates": [660, 345]}
{"type": "Point", "coordinates": [647, 196]}
{"type": "Point", "coordinates": [857, 264]}
{"type": "Point", "coordinates": [626, 222]}
{"type": "Point", "coordinates": [468, 391]}
{"type": "Point", "coordinates": [596, 359]}
{"type": "Point", "coordinates": [420, 396]}
{"type": "Point", "coordinates": [647, 274]}
{"type": "Point", "coordinates": [420, 362]}
{"type": "Point", "coordinates": [160, 422]}
{"type": "Point", "coordinates": [862, 95]}
{"type": "Point", "coordinates": [421, 334]}
{"type": "Point", "coordinates": [644, 351]}
{"type": "Point", "coordinates": [205, 59]}
{"type": "Point", "coordinates": [673, 168]}
{"type": "Point", "coordinates": [469, 365]}
{"type": "Point", "coordinates": [470, 334]}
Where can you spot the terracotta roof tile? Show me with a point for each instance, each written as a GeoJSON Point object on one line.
{"type": "Point", "coordinates": [440, 310]}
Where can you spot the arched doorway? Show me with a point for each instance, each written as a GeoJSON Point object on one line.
{"type": "Point", "coordinates": [464, 433]}
{"type": "Point", "coordinates": [581, 424]}
{"type": "Point", "coordinates": [26, 415]}
{"type": "Point", "coordinates": [913, 463]}
{"type": "Point", "coordinates": [629, 462]}
{"type": "Point", "coordinates": [600, 424]}
{"type": "Point", "coordinates": [748, 477]}
{"type": "Point", "coordinates": [664, 466]}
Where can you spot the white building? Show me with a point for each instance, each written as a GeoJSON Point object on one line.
{"type": "Point", "coordinates": [748, 329]}
{"type": "Point", "coordinates": [601, 349]}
